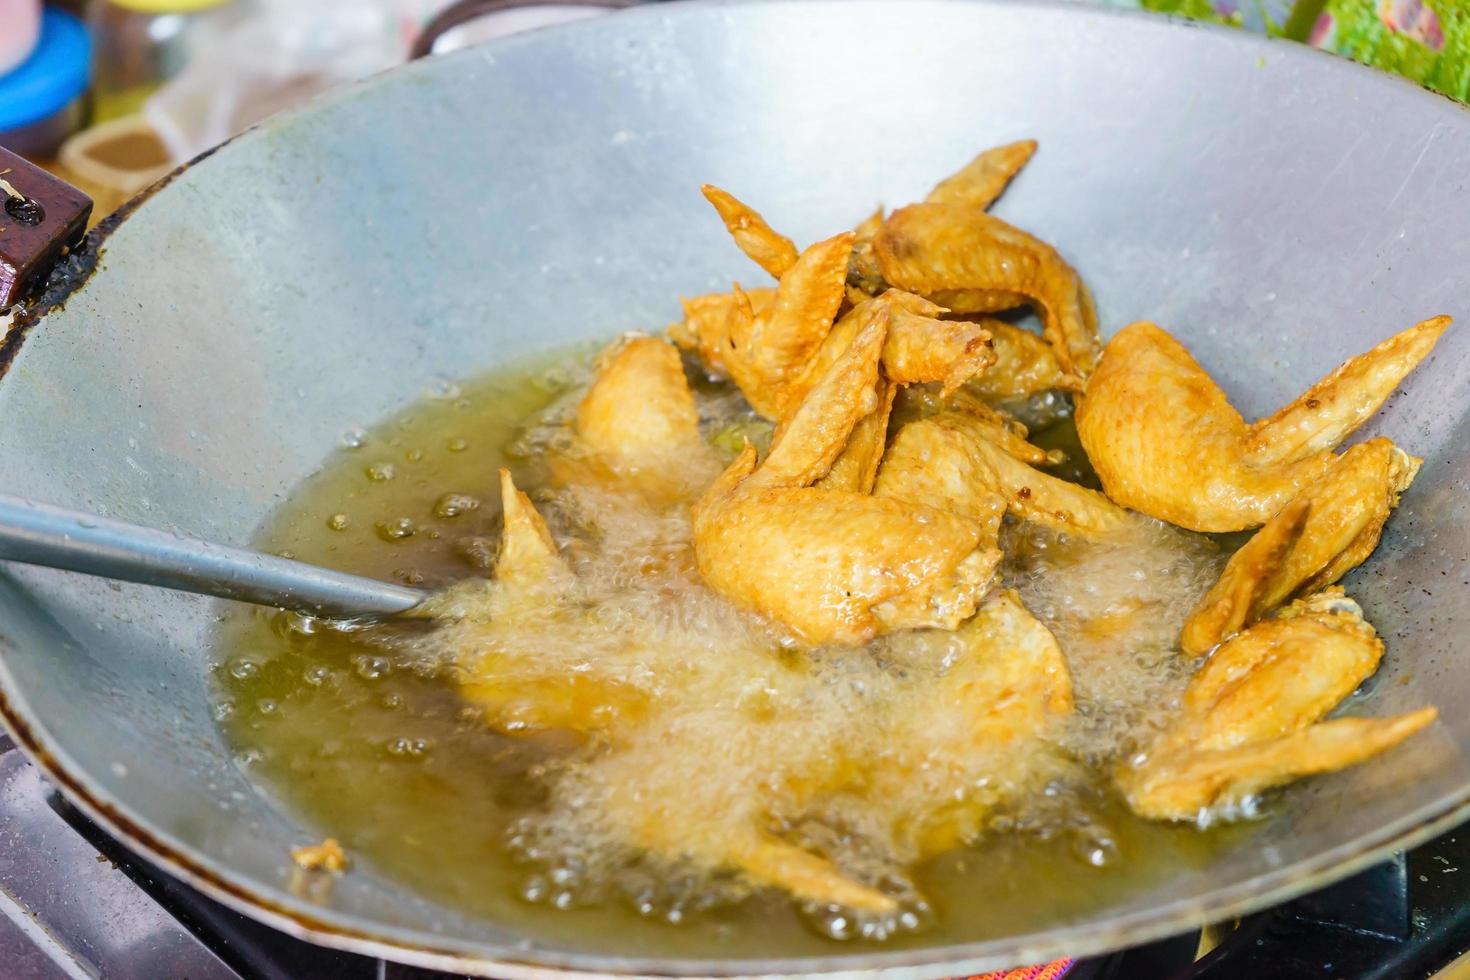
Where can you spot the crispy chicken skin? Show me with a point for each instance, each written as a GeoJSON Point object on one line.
{"type": "Point", "coordinates": [639, 410]}
{"type": "Point", "coordinates": [520, 697]}
{"type": "Point", "coordinates": [1317, 538]}
{"type": "Point", "coordinates": [1251, 717]}
{"type": "Point", "coordinates": [1165, 441]}
{"type": "Point", "coordinates": [1025, 364]}
{"type": "Point", "coordinates": [919, 348]}
{"type": "Point", "coordinates": [707, 322]}
{"type": "Point", "coordinates": [766, 248]}
{"type": "Point", "coordinates": [835, 566]}
{"type": "Point", "coordinates": [953, 461]}
{"type": "Point", "coordinates": [763, 352]}
{"type": "Point", "coordinates": [856, 467]}
{"type": "Point", "coordinates": [528, 555]}
{"type": "Point", "coordinates": [972, 262]}
{"type": "Point", "coordinates": [1008, 683]}
{"type": "Point", "coordinates": [982, 715]}
{"type": "Point", "coordinates": [980, 183]}
{"type": "Point", "coordinates": [853, 526]}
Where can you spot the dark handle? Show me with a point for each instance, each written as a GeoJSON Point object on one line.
{"type": "Point", "coordinates": [40, 217]}
{"type": "Point", "coordinates": [467, 10]}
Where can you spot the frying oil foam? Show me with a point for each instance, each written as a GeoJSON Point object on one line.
{"type": "Point", "coordinates": [739, 734]}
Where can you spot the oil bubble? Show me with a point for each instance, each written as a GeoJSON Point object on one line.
{"type": "Point", "coordinates": [408, 748]}
{"type": "Point", "coordinates": [396, 529]}
{"type": "Point", "coordinates": [380, 472]}
{"type": "Point", "coordinates": [370, 666]}
{"type": "Point", "coordinates": [454, 504]}
{"type": "Point", "coordinates": [339, 522]}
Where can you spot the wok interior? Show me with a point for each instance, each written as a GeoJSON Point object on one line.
{"type": "Point", "coordinates": [335, 264]}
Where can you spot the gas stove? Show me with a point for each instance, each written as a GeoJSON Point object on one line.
{"type": "Point", "coordinates": [74, 903]}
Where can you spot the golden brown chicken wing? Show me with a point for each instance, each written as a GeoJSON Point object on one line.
{"type": "Point", "coordinates": [856, 467]}
{"type": "Point", "coordinates": [971, 262]}
{"type": "Point", "coordinates": [1025, 364]}
{"type": "Point", "coordinates": [520, 695]}
{"type": "Point", "coordinates": [528, 555]}
{"type": "Point", "coordinates": [1329, 529]}
{"type": "Point", "coordinates": [982, 181]}
{"type": "Point", "coordinates": [835, 567]}
{"type": "Point", "coordinates": [951, 462]}
{"type": "Point", "coordinates": [708, 320]}
{"type": "Point", "coordinates": [1165, 440]}
{"type": "Point", "coordinates": [1007, 683]}
{"type": "Point", "coordinates": [765, 352]}
{"type": "Point", "coordinates": [639, 421]}
{"type": "Point", "coordinates": [1251, 717]}
{"type": "Point", "coordinates": [766, 248]}
{"type": "Point", "coordinates": [978, 185]}
{"type": "Point", "coordinates": [763, 858]}
{"type": "Point", "coordinates": [922, 348]}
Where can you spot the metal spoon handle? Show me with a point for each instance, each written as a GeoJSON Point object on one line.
{"type": "Point", "coordinates": [39, 534]}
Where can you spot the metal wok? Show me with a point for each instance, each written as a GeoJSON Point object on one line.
{"type": "Point", "coordinates": [1277, 208]}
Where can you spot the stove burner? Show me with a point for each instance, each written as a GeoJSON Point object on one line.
{"type": "Point", "coordinates": [74, 903]}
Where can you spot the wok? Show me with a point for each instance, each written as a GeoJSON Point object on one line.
{"type": "Point", "coordinates": [1277, 208]}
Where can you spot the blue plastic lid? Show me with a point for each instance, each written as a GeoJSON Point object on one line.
{"type": "Point", "coordinates": [56, 73]}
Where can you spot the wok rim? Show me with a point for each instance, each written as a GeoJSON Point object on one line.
{"type": "Point", "coordinates": [415, 947]}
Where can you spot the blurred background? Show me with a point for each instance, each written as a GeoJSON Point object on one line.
{"type": "Point", "coordinates": [112, 94]}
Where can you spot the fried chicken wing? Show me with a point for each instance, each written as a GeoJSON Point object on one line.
{"type": "Point", "coordinates": [1333, 408]}
{"type": "Point", "coordinates": [1250, 715]}
{"type": "Point", "coordinates": [835, 566]}
{"type": "Point", "coordinates": [639, 407]}
{"type": "Point", "coordinates": [528, 554]}
{"type": "Point", "coordinates": [759, 241]}
{"type": "Point", "coordinates": [1007, 682]}
{"type": "Point", "coordinates": [639, 421]}
{"type": "Point", "coordinates": [856, 467]}
{"type": "Point", "coordinates": [840, 567]}
{"type": "Point", "coordinates": [971, 262]}
{"type": "Point", "coordinates": [949, 461]}
{"type": "Point", "coordinates": [764, 352]}
{"type": "Point", "coordinates": [1025, 364]}
{"type": "Point", "coordinates": [708, 320]}
{"type": "Point", "coordinates": [1000, 428]}
{"type": "Point", "coordinates": [1165, 440]}
{"type": "Point", "coordinates": [919, 349]}
{"type": "Point", "coordinates": [977, 185]}
{"type": "Point", "coordinates": [521, 696]}
{"type": "Point", "coordinates": [806, 445]}
{"type": "Point", "coordinates": [733, 838]}
{"type": "Point", "coordinates": [1329, 529]}
{"type": "Point", "coordinates": [982, 181]}
{"type": "Point", "coordinates": [922, 348]}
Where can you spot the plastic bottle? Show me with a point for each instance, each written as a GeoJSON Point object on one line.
{"type": "Point", "coordinates": [140, 44]}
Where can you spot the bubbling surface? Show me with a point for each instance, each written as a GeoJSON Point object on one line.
{"type": "Point", "coordinates": [368, 734]}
